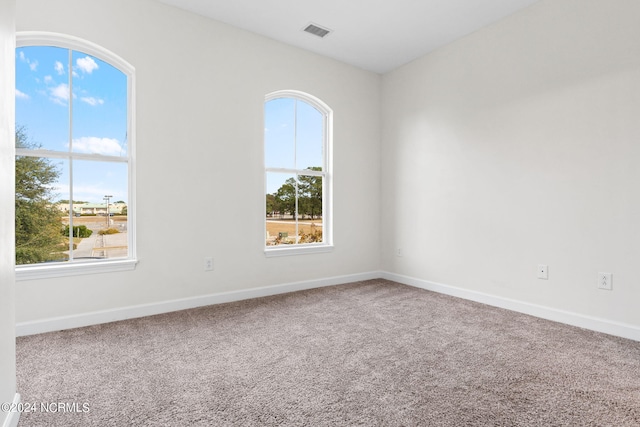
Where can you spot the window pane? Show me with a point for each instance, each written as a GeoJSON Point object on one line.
{"type": "Point", "coordinates": [309, 136]}
{"type": "Point", "coordinates": [93, 184]}
{"type": "Point", "coordinates": [310, 209]}
{"type": "Point", "coordinates": [40, 184]}
{"type": "Point", "coordinates": [99, 107]}
{"type": "Point", "coordinates": [42, 97]}
{"type": "Point", "coordinates": [280, 209]}
{"type": "Point", "coordinates": [279, 133]}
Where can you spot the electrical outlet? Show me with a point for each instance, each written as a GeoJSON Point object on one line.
{"type": "Point", "coordinates": [399, 252]}
{"type": "Point", "coordinates": [543, 272]}
{"type": "Point", "coordinates": [208, 264]}
{"type": "Point", "coordinates": [605, 281]}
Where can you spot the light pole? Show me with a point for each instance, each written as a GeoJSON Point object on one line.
{"type": "Point", "coordinates": [107, 199]}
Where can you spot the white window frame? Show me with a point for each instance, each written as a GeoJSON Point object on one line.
{"type": "Point", "coordinates": [327, 178]}
{"type": "Point", "coordinates": [50, 270]}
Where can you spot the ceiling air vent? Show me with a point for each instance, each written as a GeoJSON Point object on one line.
{"type": "Point", "coordinates": [317, 30]}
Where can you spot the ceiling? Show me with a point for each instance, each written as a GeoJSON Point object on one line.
{"type": "Point", "coordinates": [376, 35]}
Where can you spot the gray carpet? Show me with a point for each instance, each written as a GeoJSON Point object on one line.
{"type": "Point", "coordinates": [372, 353]}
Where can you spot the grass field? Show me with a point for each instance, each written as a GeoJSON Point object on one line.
{"type": "Point", "coordinates": [289, 226]}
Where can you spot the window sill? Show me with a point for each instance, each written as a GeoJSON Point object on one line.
{"type": "Point", "coordinates": [288, 250]}
{"type": "Point", "coordinates": [40, 271]}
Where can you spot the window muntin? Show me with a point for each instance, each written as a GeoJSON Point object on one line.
{"type": "Point", "coordinates": [74, 108]}
{"type": "Point", "coordinates": [297, 172]}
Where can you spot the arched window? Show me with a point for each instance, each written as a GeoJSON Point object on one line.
{"type": "Point", "coordinates": [297, 145]}
{"type": "Point", "coordinates": [74, 157]}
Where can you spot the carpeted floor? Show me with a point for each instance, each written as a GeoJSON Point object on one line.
{"type": "Point", "coordinates": [372, 353]}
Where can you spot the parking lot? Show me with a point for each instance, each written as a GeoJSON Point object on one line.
{"type": "Point", "coordinates": [102, 246]}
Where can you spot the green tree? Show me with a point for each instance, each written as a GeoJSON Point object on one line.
{"type": "Point", "coordinates": [285, 198]}
{"type": "Point", "coordinates": [270, 204]}
{"type": "Point", "coordinates": [38, 224]}
{"type": "Point", "coordinates": [310, 194]}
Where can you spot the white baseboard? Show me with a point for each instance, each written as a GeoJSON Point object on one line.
{"type": "Point", "coordinates": [587, 322]}
{"type": "Point", "coordinates": [12, 418]}
{"type": "Point", "coordinates": [98, 317]}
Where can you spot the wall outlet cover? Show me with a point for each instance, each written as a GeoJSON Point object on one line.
{"type": "Point", "coordinates": [543, 272]}
{"type": "Point", "coordinates": [605, 281]}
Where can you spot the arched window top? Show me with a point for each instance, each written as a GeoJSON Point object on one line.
{"type": "Point", "coordinates": [317, 103]}
{"type": "Point", "coordinates": [44, 38]}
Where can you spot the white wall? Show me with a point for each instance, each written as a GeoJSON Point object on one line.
{"type": "Point", "coordinates": [7, 296]}
{"type": "Point", "coordinates": [200, 91]}
{"type": "Point", "coordinates": [517, 146]}
{"type": "Point", "coordinates": [513, 147]}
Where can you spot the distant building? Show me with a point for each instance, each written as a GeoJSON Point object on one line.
{"type": "Point", "coordinates": [93, 208]}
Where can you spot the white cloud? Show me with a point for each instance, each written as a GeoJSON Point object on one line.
{"type": "Point", "coordinates": [96, 145]}
{"type": "Point", "coordinates": [61, 91]}
{"type": "Point", "coordinates": [59, 68]}
{"type": "Point", "coordinates": [48, 79]}
{"type": "Point", "coordinates": [92, 101]}
{"type": "Point", "coordinates": [21, 95]}
{"type": "Point", "coordinates": [32, 65]}
{"type": "Point", "coordinates": [60, 94]}
{"type": "Point", "coordinates": [86, 64]}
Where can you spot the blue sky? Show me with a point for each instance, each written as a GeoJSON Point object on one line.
{"type": "Point", "coordinates": [293, 138]}
{"type": "Point", "coordinates": [99, 104]}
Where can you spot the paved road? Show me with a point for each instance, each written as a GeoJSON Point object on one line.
{"type": "Point", "coordinates": [107, 246]}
